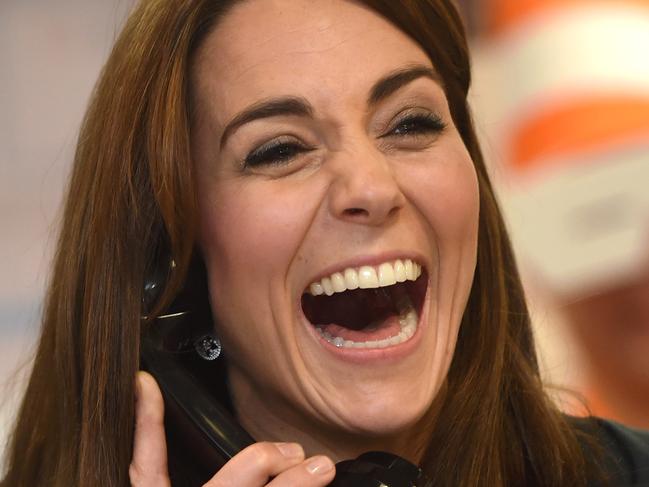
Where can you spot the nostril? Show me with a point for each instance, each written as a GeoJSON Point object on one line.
{"type": "Point", "coordinates": [356, 211]}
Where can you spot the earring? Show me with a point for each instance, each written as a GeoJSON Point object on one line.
{"type": "Point", "coordinates": [208, 347]}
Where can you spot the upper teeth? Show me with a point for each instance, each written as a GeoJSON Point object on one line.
{"type": "Point", "coordinates": [367, 277]}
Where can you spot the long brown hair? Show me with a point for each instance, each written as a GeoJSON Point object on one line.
{"type": "Point", "coordinates": [132, 189]}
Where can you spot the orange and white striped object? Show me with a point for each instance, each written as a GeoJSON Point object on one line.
{"type": "Point", "coordinates": [571, 94]}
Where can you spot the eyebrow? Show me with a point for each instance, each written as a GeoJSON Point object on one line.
{"type": "Point", "coordinates": [289, 105]}
{"type": "Point", "coordinates": [395, 80]}
{"type": "Point", "coordinates": [300, 107]}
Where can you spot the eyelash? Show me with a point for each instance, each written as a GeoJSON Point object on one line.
{"type": "Point", "coordinates": [281, 151]}
{"type": "Point", "coordinates": [417, 124]}
{"type": "Point", "coordinates": [278, 151]}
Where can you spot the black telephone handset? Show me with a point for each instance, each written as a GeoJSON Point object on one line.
{"type": "Point", "coordinates": [198, 417]}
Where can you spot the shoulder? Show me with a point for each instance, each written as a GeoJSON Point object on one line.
{"type": "Point", "coordinates": [625, 450]}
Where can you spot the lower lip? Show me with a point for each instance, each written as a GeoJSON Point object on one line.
{"type": "Point", "coordinates": [393, 353]}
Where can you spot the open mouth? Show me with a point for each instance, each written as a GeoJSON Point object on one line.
{"type": "Point", "coordinates": [367, 307]}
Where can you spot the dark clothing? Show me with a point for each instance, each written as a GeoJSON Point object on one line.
{"type": "Point", "coordinates": [624, 454]}
{"type": "Point", "coordinates": [625, 450]}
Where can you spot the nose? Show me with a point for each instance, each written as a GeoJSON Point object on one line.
{"type": "Point", "coordinates": [365, 189]}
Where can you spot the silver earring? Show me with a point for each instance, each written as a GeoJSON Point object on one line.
{"type": "Point", "coordinates": [208, 347]}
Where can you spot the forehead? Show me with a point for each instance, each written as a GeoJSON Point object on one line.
{"type": "Point", "coordinates": [318, 49]}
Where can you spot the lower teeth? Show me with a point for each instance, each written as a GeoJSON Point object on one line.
{"type": "Point", "coordinates": [407, 319]}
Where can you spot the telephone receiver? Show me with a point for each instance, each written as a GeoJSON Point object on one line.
{"type": "Point", "coordinates": [199, 418]}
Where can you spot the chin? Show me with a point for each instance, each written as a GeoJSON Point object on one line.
{"type": "Point", "coordinates": [385, 413]}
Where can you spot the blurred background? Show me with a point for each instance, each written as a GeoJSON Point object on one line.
{"type": "Point", "coordinates": [51, 53]}
{"type": "Point", "coordinates": [561, 102]}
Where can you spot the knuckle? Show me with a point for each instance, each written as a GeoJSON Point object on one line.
{"type": "Point", "coordinates": [263, 454]}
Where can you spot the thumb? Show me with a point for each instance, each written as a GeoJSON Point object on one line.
{"type": "Point", "coordinates": [149, 464]}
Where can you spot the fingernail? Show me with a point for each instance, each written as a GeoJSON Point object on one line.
{"type": "Point", "coordinates": [319, 465]}
{"type": "Point", "coordinates": [290, 450]}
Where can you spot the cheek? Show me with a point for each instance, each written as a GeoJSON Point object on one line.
{"type": "Point", "coordinates": [447, 199]}
{"type": "Point", "coordinates": [249, 235]}
{"type": "Point", "coordinates": [446, 194]}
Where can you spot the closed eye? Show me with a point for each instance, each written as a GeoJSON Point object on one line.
{"type": "Point", "coordinates": [416, 124]}
{"type": "Point", "coordinates": [276, 152]}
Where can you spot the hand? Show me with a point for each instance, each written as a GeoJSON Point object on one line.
{"type": "Point", "coordinates": [254, 466]}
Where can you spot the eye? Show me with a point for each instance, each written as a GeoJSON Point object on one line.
{"type": "Point", "coordinates": [416, 124]}
{"type": "Point", "coordinates": [275, 152]}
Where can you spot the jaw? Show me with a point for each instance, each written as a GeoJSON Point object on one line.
{"type": "Point", "coordinates": [385, 390]}
{"type": "Point", "coordinates": [374, 393]}
{"type": "Point", "coordinates": [365, 394]}
{"type": "Point", "coordinates": [369, 390]}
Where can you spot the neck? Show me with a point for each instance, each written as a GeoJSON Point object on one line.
{"type": "Point", "coordinates": [621, 397]}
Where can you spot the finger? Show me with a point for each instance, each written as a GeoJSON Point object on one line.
{"type": "Point", "coordinates": [254, 465]}
{"type": "Point", "coordinates": [314, 472]}
{"type": "Point", "coordinates": [149, 464]}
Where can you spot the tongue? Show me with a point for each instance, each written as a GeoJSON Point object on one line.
{"type": "Point", "coordinates": [379, 330]}
{"type": "Point", "coordinates": [360, 315]}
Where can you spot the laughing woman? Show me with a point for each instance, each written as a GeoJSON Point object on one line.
{"type": "Point", "coordinates": [319, 157]}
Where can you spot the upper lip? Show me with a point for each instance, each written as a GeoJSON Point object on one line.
{"type": "Point", "coordinates": [370, 260]}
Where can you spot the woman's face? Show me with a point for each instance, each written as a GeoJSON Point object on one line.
{"type": "Point", "coordinates": [327, 160]}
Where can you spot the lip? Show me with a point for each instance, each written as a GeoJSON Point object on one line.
{"type": "Point", "coordinates": [370, 260]}
{"type": "Point", "coordinates": [363, 356]}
